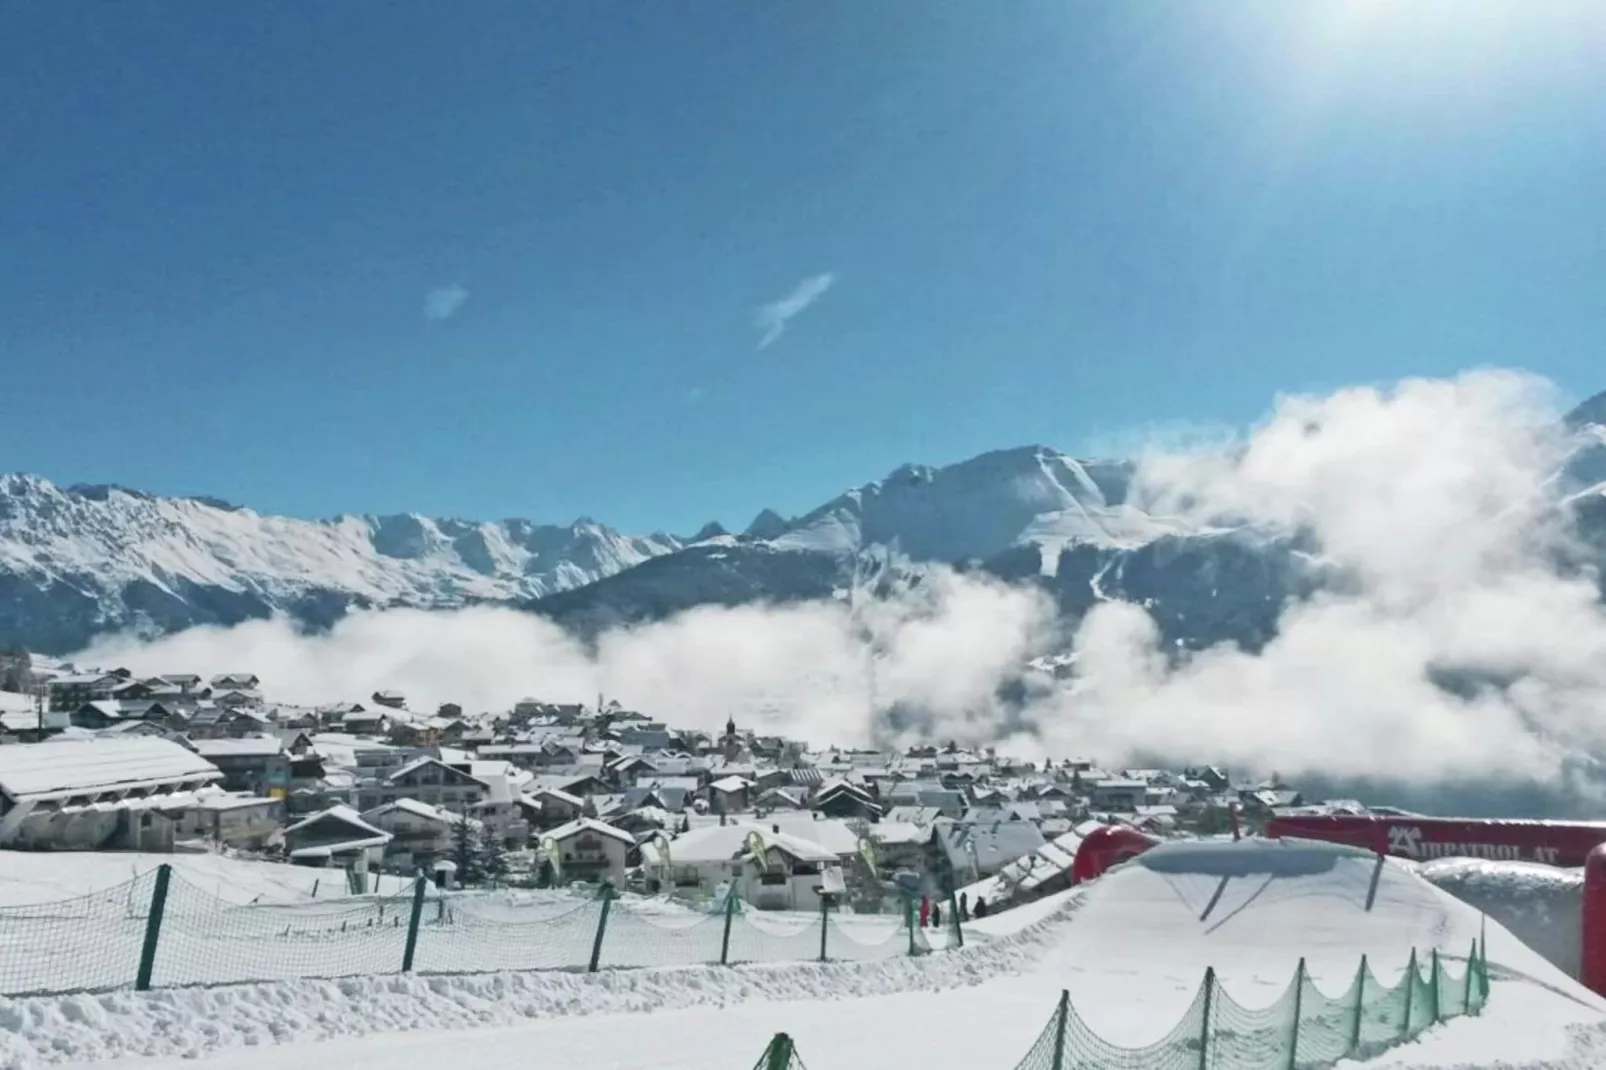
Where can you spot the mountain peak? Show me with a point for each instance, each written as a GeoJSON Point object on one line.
{"type": "Point", "coordinates": [768, 524]}
{"type": "Point", "coordinates": [711, 530]}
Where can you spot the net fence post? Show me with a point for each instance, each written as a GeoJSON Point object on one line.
{"type": "Point", "coordinates": [780, 1053]}
{"type": "Point", "coordinates": [1472, 970]}
{"type": "Point", "coordinates": [825, 923]}
{"type": "Point", "coordinates": [1433, 987]}
{"type": "Point", "coordinates": [413, 919]}
{"type": "Point", "coordinates": [725, 938]}
{"type": "Point", "coordinates": [953, 912]}
{"type": "Point", "coordinates": [1062, 1017]}
{"type": "Point", "coordinates": [1412, 976]}
{"type": "Point", "coordinates": [153, 928]}
{"type": "Point", "coordinates": [1360, 1003]}
{"type": "Point", "coordinates": [1483, 975]}
{"type": "Point", "coordinates": [1299, 1007]}
{"type": "Point", "coordinates": [602, 928]}
{"type": "Point", "coordinates": [1209, 1007]}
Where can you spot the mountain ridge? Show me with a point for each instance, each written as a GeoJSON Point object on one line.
{"type": "Point", "coordinates": [83, 560]}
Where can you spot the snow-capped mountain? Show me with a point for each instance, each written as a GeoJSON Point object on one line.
{"type": "Point", "coordinates": [78, 561]}
{"type": "Point", "coordinates": [979, 508]}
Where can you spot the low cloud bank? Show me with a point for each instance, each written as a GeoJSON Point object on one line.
{"type": "Point", "coordinates": [1452, 642]}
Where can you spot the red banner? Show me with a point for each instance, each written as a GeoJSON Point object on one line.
{"type": "Point", "coordinates": [1554, 843]}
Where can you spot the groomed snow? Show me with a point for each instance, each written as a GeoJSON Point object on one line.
{"type": "Point", "coordinates": [1130, 948]}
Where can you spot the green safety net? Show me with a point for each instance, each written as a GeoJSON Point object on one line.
{"type": "Point", "coordinates": [207, 940]}
{"type": "Point", "coordinates": [468, 936]}
{"type": "Point", "coordinates": [1303, 1029]}
{"type": "Point", "coordinates": [88, 943]}
{"type": "Point", "coordinates": [97, 942]}
{"type": "Point", "coordinates": [190, 936]}
{"type": "Point", "coordinates": [781, 1054]}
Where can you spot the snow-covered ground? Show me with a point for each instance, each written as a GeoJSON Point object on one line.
{"type": "Point", "coordinates": [29, 877]}
{"type": "Point", "coordinates": [1130, 948]}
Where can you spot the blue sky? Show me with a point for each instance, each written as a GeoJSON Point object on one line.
{"type": "Point", "coordinates": [664, 262]}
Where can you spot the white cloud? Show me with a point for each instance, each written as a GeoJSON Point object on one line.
{"type": "Point", "coordinates": [444, 302]}
{"type": "Point", "coordinates": [802, 670]}
{"type": "Point", "coordinates": [771, 319]}
{"type": "Point", "coordinates": [1430, 500]}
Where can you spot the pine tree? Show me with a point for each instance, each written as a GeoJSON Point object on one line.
{"type": "Point", "coordinates": [466, 852]}
{"type": "Point", "coordinates": [493, 860]}
{"type": "Point", "coordinates": [15, 669]}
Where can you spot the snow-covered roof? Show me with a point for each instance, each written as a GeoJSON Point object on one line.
{"type": "Point", "coordinates": [725, 843]}
{"type": "Point", "coordinates": [249, 747]}
{"type": "Point", "coordinates": [59, 769]}
{"type": "Point", "coordinates": [899, 832]}
{"type": "Point", "coordinates": [418, 809]}
{"type": "Point", "coordinates": [345, 815]}
{"type": "Point", "coordinates": [587, 824]}
{"type": "Point", "coordinates": [731, 783]}
{"type": "Point", "coordinates": [796, 846]}
{"type": "Point", "coordinates": [231, 802]}
{"type": "Point", "coordinates": [556, 793]}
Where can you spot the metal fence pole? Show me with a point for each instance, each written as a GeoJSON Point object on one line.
{"type": "Point", "coordinates": [909, 923]}
{"type": "Point", "coordinates": [602, 927]}
{"type": "Point", "coordinates": [730, 913]}
{"type": "Point", "coordinates": [412, 925]}
{"type": "Point", "coordinates": [825, 927]}
{"type": "Point", "coordinates": [953, 912]}
{"type": "Point", "coordinates": [1360, 1003]}
{"type": "Point", "coordinates": [1434, 987]}
{"type": "Point", "coordinates": [1472, 969]}
{"type": "Point", "coordinates": [1209, 1007]}
{"type": "Point", "coordinates": [1412, 976]}
{"type": "Point", "coordinates": [153, 928]}
{"type": "Point", "coordinates": [1299, 1005]}
{"type": "Point", "coordinates": [1061, 1024]}
{"type": "Point", "coordinates": [780, 1053]}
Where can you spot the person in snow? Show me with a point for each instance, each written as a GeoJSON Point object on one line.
{"type": "Point", "coordinates": [981, 907]}
{"type": "Point", "coordinates": [936, 915]}
{"type": "Point", "coordinates": [925, 911]}
{"type": "Point", "coordinates": [964, 906]}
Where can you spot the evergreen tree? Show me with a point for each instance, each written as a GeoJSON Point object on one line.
{"type": "Point", "coordinates": [15, 669]}
{"type": "Point", "coordinates": [466, 852]}
{"type": "Point", "coordinates": [493, 860]}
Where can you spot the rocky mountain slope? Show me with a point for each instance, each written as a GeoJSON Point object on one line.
{"type": "Point", "coordinates": [78, 561]}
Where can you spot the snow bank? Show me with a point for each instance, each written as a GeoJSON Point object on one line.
{"type": "Point", "coordinates": [188, 1022]}
{"type": "Point", "coordinates": [1541, 905]}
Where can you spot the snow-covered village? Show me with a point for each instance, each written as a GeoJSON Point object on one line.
{"type": "Point", "coordinates": [159, 833]}
{"type": "Point", "coordinates": [547, 793]}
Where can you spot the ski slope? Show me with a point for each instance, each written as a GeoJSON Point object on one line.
{"type": "Point", "coordinates": [1130, 948]}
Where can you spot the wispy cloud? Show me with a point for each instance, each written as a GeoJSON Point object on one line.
{"type": "Point", "coordinates": [444, 302]}
{"type": "Point", "coordinates": [773, 317]}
